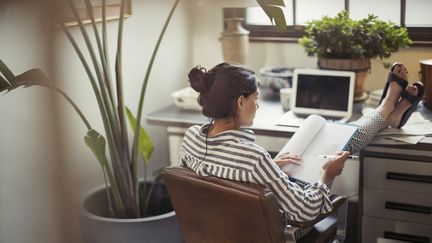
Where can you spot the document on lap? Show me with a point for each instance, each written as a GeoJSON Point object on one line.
{"type": "Point", "coordinates": [316, 137]}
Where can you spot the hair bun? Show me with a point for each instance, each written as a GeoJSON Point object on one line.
{"type": "Point", "coordinates": [197, 78]}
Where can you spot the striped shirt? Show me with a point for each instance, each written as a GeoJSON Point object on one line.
{"type": "Point", "coordinates": [233, 155]}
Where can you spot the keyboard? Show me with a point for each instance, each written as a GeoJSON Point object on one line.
{"type": "Point", "coordinates": [328, 118]}
{"type": "Point", "coordinates": [295, 120]}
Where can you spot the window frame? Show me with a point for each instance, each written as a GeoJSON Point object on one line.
{"type": "Point", "coordinates": [421, 36]}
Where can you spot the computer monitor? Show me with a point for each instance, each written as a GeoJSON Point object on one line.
{"type": "Point", "coordinates": [323, 92]}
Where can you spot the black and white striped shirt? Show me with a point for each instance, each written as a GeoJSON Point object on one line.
{"type": "Point", "coordinates": [234, 155]}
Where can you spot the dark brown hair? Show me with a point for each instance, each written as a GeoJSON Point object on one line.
{"type": "Point", "coordinates": [220, 87]}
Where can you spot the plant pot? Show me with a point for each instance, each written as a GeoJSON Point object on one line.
{"type": "Point", "coordinates": [97, 227]}
{"type": "Point", "coordinates": [426, 78]}
{"type": "Point", "coordinates": [359, 66]}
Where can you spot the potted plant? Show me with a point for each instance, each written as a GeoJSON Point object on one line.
{"type": "Point", "coordinates": [126, 208]}
{"type": "Point", "coordinates": [122, 210]}
{"type": "Point", "coordinates": [346, 44]}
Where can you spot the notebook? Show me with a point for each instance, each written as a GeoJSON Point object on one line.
{"type": "Point", "coordinates": [327, 93]}
{"type": "Point", "coordinates": [316, 137]}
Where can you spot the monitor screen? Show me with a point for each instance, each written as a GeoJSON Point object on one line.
{"type": "Point", "coordinates": [323, 92]}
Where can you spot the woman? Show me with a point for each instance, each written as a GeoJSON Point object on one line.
{"type": "Point", "coordinates": [221, 148]}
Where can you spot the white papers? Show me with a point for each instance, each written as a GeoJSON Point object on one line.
{"type": "Point", "coordinates": [412, 132]}
{"type": "Point", "coordinates": [374, 97]}
{"type": "Point", "coordinates": [316, 137]}
{"type": "Point", "coordinates": [416, 125]}
{"type": "Point", "coordinates": [304, 135]}
{"type": "Point", "coordinates": [408, 139]}
{"type": "Point", "coordinates": [290, 119]}
{"type": "Point", "coordinates": [396, 140]}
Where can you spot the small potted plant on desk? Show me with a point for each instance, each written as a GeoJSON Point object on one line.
{"type": "Point", "coordinates": [341, 43]}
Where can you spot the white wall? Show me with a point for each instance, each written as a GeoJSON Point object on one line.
{"type": "Point", "coordinates": [25, 141]}
{"type": "Point", "coordinates": [25, 146]}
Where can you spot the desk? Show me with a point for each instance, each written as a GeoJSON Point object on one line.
{"type": "Point", "coordinates": [353, 178]}
{"type": "Point", "coordinates": [395, 194]}
{"type": "Point", "coordinates": [395, 191]}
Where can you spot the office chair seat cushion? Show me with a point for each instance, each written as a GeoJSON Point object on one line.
{"type": "Point", "coordinates": [323, 231]}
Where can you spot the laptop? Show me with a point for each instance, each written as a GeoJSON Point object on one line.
{"type": "Point", "coordinates": [327, 93]}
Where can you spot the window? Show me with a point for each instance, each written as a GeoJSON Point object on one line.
{"type": "Point", "coordinates": [413, 14]}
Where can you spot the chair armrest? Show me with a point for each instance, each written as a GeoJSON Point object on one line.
{"type": "Point", "coordinates": [336, 201]}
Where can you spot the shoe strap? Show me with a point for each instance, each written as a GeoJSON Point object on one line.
{"type": "Point", "coordinates": [393, 77]}
{"type": "Point", "coordinates": [411, 98]}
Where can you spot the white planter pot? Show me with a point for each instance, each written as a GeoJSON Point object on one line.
{"type": "Point", "coordinates": [96, 228]}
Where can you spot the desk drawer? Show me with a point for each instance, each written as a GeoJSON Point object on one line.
{"type": "Point", "coordinates": [401, 175]}
{"type": "Point", "coordinates": [397, 205]}
{"type": "Point", "coordinates": [373, 228]}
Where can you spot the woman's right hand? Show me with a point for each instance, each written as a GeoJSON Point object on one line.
{"type": "Point", "coordinates": [333, 167]}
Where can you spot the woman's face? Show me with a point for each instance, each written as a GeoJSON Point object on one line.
{"type": "Point", "coordinates": [247, 109]}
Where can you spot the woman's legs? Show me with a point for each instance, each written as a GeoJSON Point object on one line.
{"type": "Point", "coordinates": [388, 113]}
{"type": "Point", "coordinates": [395, 116]}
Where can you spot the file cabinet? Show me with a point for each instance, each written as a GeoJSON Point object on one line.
{"type": "Point", "coordinates": [395, 192]}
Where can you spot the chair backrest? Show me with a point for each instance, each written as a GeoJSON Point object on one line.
{"type": "Point", "coordinates": [211, 209]}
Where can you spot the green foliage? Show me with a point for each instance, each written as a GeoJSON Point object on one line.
{"type": "Point", "coordinates": [120, 169]}
{"type": "Point", "coordinates": [343, 37]}
{"type": "Point", "coordinates": [273, 10]}
{"type": "Point", "coordinates": [121, 177]}
{"type": "Point", "coordinates": [145, 143]}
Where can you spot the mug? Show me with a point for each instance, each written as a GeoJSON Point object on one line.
{"type": "Point", "coordinates": [426, 78]}
{"type": "Point", "coordinates": [285, 98]}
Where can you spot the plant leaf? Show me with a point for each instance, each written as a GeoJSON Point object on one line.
{"type": "Point", "coordinates": [273, 9]}
{"type": "Point", "coordinates": [3, 84]}
{"type": "Point", "coordinates": [145, 144]}
{"type": "Point", "coordinates": [6, 71]}
{"type": "Point", "coordinates": [28, 78]}
{"type": "Point", "coordinates": [96, 142]}
{"type": "Point", "coordinates": [145, 82]}
{"type": "Point", "coordinates": [31, 77]}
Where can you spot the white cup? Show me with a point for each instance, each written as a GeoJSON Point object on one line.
{"type": "Point", "coordinates": [285, 98]}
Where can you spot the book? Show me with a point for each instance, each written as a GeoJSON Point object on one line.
{"type": "Point", "coordinates": [316, 137]}
{"type": "Point", "coordinates": [374, 97]}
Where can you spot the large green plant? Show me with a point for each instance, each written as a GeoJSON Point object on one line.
{"type": "Point", "coordinates": [343, 37]}
{"type": "Point", "coordinates": [126, 198]}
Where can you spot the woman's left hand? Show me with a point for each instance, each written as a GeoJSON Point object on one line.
{"type": "Point", "coordinates": [287, 159]}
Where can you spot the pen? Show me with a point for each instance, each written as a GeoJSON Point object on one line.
{"type": "Point", "coordinates": [336, 156]}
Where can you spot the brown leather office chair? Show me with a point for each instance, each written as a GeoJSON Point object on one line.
{"type": "Point", "coordinates": [211, 209]}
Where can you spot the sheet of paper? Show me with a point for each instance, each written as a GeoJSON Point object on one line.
{"type": "Point", "coordinates": [290, 119]}
{"type": "Point", "coordinates": [407, 139]}
{"type": "Point", "coordinates": [415, 126]}
{"type": "Point", "coordinates": [316, 137]}
{"type": "Point", "coordinates": [331, 139]}
{"type": "Point", "coordinates": [409, 129]}
{"type": "Point", "coordinates": [384, 140]}
{"type": "Point", "coordinates": [304, 135]}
